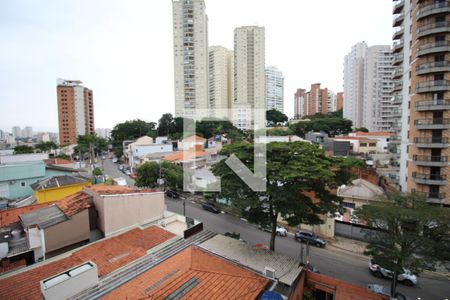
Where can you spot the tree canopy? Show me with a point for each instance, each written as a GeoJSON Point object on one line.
{"type": "Point", "coordinates": [299, 180]}
{"type": "Point", "coordinates": [46, 146]}
{"type": "Point", "coordinates": [330, 123]}
{"type": "Point", "coordinates": [412, 234]}
{"type": "Point", "coordinates": [130, 130]}
{"type": "Point", "coordinates": [23, 149]}
{"type": "Point", "coordinates": [148, 173]}
{"type": "Point", "coordinates": [275, 117]}
{"type": "Point", "coordinates": [363, 129]}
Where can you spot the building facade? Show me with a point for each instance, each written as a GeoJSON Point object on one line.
{"type": "Point", "coordinates": [221, 81]}
{"type": "Point", "coordinates": [274, 89]}
{"type": "Point", "coordinates": [16, 132]}
{"type": "Point", "coordinates": [339, 100]}
{"type": "Point", "coordinates": [190, 41]}
{"type": "Point", "coordinates": [317, 100]}
{"type": "Point", "coordinates": [427, 131]}
{"type": "Point", "coordinates": [75, 111]}
{"type": "Point", "coordinates": [299, 103]}
{"type": "Point", "coordinates": [249, 74]}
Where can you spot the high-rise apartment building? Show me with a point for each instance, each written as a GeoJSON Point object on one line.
{"type": "Point", "coordinates": [422, 55]}
{"type": "Point", "coordinates": [221, 81]}
{"type": "Point", "coordinates": [317, 100]}
{"type": "Point", "coordinates": [299, 103]}
{"type": "Point", "coordinates": [103, 132]}
{"type": "Point", "coordinates": [190, 41]}
{"type": "Point", "coordinates": [75, 111]}
{"type": "Point", "coordinates": [27, 132]}
{"type": "Point", "coordinates": [368, 85]}
{"type": "Point", "coordinates": [339, 100]}
{"type": "Point", "coordinates": [249, 74]}
{"type": "Point", "coordinates": [16, 132]}
{"type": "Point", "coordinates": [274, 89]}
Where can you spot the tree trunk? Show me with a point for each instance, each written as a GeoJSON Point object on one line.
{"type": "Point", "coordinates": [274, 229]}
{"type": "Point", "coordinates": [394, 284]}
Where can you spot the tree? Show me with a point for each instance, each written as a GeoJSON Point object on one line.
{"type": "Point", "coordinates": [208, 128]}
{"type": "Point", "coordinates": [46, 146]}
{"type": "Point", "coordinates": [299, 179]}
{"type": "Point", "coordinates": [172, 175]}
{"type": "Point", "coordinates": [97, 172]}
{"type": "Point", "coordinates": [363, 129]}
{"type": "Point", "coordinates": [23, 149]}
{"type": "Point", "coordinates": [147, 174]}
{"type": "Point", "coordinates": [275, 117]}
{"type": "Point", "coordinates": [412, 234]}
{"type": "Point", "coordinates": [328, 123]}
{"type": "Point", "coordinates": [165, 124]}
{"type": "Point", "coordinates": [130, 130]}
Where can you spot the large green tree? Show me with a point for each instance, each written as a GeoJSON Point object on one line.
{"type": "Point", "coordinates": [330, 124]}
{"type": "Point", "coordinates": [46, 146]}
{"type": "Point", "coordinates": [130, 130]}
{"type": "Point", "coordinates": [275, 117]}
{"type": "Point", "coordinates": [299, 180]}
{"type": "Point", "coordinates": [23, 149]}
{"type": "Point", "coordinates": [147, 174]}
{"type": "Point", "coordinates": [207, 128]}
{"type": "Point", "coordinates": [172, 175]}
{"type": "Point", "coordinates": [412, 234]}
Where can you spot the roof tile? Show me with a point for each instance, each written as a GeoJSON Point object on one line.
{"type": "Point", "coordinates": [10, 216]}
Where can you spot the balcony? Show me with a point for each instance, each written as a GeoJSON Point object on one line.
{"type": "Point", "coordinates": [432, 9]}
{"type": "Point", "coordinates": [432, 197]}
{"type": "Point", "coordinates": [431, 142]}
{"type": "Point", "coordinates": [398, 7]}
{"type": "Point", "coordinates": [398, 20]}
{"type": "Point", "coordinates": [398, 59]}
{"type": "Point", "coordinates": [431, 48]}
{"type": "Point", "coordinates": [398, 73]}
{"type": "Point", "coordinates": [430, 161]}
{"type": "Point", "coordinates": [433, 28]}
{"type": "Point", "coordinates": [433, 105]}
{"type": "Point", "coordinates": [398, 46]}
{"type": "Point", "coordinates": [431, 179]}
{"type": "Point", "coordinates": [397, 99]}
{"type": "Point", "coordinates": [432, 123]}
{"type": "Point", "coordinates": [398, 85]}
{"type": "Point", "coordinates": [398, 33]}
{"type": "Point", "coordinates": [434, 67]}
{"type": "Point", "coordinates": [433, 86]}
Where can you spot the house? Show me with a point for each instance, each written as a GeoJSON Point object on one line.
{"type": "Point", "coordinates": [137, 152]}
{"type": "Point", "coordinates": [275, 138]}
{"type": "Point", "coordinates": [191, 158]}
{"type": "Point", "coordinates": [16, 178]}
{"type": "Point", "coordinates": [57, 187]}
{"type": "Point", "coordinates": [382, 137]}
{"type": "Point", "coordinates": [191, 142]}
{"type": "Point", "coordinates": [359, 193]}
{"type": "Point", "coordinates": [360, 144]}
{"type": "Point", "coordinates": [317, 137]}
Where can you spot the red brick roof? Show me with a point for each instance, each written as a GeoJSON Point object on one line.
{"type": "Point", "coordinates": [356, 138]}
{"type": "Point", "coordinates": [10, 216]}
{"type": "Point", "coordinates": [185, 155]}
{"type": "Point", "coordinates": [57, 161]}
{"type": "Point", "coordinates": [9, 266]}
{"type": "Point", "coordinates": [75, 203]}
{"type": "Point", "coordinates": [102, 189]}
{"type": "Point", "coordinates": [217, 279]}
{"type": "Point", "coordinates": [379, 133]}
{"type": "Point", "coordinates": [109, 255]}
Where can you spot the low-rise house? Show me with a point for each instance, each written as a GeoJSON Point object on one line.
{"type": "Point", "coordinates": [276, 138]}
{"type": "Point", "coordinates": [192, 142]}
{"type": "Point", "coordinates": [21, 158]}
{"type": "Point", "coordinates": [190, 158]}
{"type": "Point", "coordinates": [317, 137]}
{"type": "Point", "coordinates": [58, 187]}
{"type": "Point", "coordinates": [144, 147]}
{"type": "Point", "coordinates": [360, 144]}
{"type": "Point", "coordinates": [382, 138]}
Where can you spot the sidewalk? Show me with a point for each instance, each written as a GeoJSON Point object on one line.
{"type": "Point", "coordinates": [349, 245]}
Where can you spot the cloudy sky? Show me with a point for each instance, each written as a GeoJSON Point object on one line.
{"type": "Point", "coordinates": [123, 50]}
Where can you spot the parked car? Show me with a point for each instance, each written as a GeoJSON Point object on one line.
{"type": "Point", "coordinates": [210, 207]}
{"type": "Point", "coordinates": [305, 236]}
{"type": "Point", "coordinates": [281, 231]}
{"type": "Point", "coordinates": [114, 160]}
{"type": "Point", "coordinates": [172, 194]}
{"type": "Point", "coordinates": [133, 175]}
{"type": "Point", "coordinates": [407, 278]}
{"type": "Point", "coordinates": [383, 290]}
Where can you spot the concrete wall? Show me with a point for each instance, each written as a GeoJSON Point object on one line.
{"type": "Point", "coordinates": [67, 233]}
{"type": "Point", "coordinates": [56, 194]}
{"type": "Point", "coordinates": [118, 212]}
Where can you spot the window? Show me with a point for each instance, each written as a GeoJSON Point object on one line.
{"type": "Point", "coordinates": [22, 184]}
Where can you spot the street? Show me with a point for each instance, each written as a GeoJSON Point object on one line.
{"type": "Point", "coordinates": [111, 169]}
{"type": "Point", "coordinates": [344, 266]}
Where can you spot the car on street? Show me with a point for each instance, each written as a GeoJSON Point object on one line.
{"type": "Point", "coordinates": [406, 278]}
{"type": "Point", "coordinates": [114, 160]}
{"type": "Point", "coordinates": [281, 231]}
{"type": "Point", "coordinates": [305, 236]}
{"type": "Point", "coordinates": [173, 194]}
{"type": "Point", "coordinates": [210, 207]}
{"type": "Point", "coordinates": [383, 290]}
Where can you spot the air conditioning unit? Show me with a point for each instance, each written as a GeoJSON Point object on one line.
{"type": "Point", "coordinates": [269, 272]}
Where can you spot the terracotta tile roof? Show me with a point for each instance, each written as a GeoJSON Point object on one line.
{"type": "Point", "coordinates": [194, 138]}
{"type": "Point", "coordinates": [379, 133]}
{"type": "Point", "coordinates": [356, 138]}
{"type": "Point", "coordinates": [109, 255]}
{"type": "Point", "coordinates": [116, 190]}
{"type": "Point", "coordinates": [185, 155]}
{"type": "Point", "coordinates": [75, 203]}
{"type": "Point", "coordinates": [10, 216]}
{"type": "Point", "coordinates": [213, 277]}
{"type": "Point", "coordinates": [57, 161]}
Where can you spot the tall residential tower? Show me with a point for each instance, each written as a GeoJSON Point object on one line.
{"type": "Point", "coordinates": [75, 111]}
{"type": "Point", "coordinates": [274, 89]}
{"type": "Point", "coordinates": [190, 41]}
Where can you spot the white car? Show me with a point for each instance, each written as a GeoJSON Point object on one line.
{"type": "Point", "coordinates": [407, 278]}
{"type": "Point", "coordinates": [281, 231]}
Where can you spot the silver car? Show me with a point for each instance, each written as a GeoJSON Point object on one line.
{"type": "Point", "coordinates": [407, 278]}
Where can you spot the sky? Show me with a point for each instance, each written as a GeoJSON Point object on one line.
{"type": "Point", "coordinates": [123, 50]}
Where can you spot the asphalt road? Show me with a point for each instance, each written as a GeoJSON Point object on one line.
{"type": "Point", "coordinates": [111, 169]}
{"type": "Point", "coordinates": [330, 261]}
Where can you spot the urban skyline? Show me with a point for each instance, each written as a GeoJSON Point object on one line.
{"type": "Point", "coordinates": [129, 81]}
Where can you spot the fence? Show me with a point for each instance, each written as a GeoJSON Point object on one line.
{"type": "Point", "coordinates": [354, 231]}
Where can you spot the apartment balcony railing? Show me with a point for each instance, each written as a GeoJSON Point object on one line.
{"type": "Point", "coordinates": [430, 161]}
{"type": "Point", "coordinates": [432, 197]}
{"type": "Point", "coordinates": [398, 85]}
{"type": "Point", "coordinates": [434, 67]}
{"type": "Point", "coordinates": [397, 99]}
{"type": "Point", "coordinates": [398, 59]}
{"type": "Point", "coordinates": [433, 28]}
{"type": "Point", "coordinates": [398, 6]}
{"type": "Point", "coordinates": [398, 19]}
{"type": "Point", "coordinates": [433, 86]}
{"type": "Point", "coordinates": [398, 73]}
{"type": "Point", "coordinates": [431, 48]}
{"type": "Point", "coordinates": [398, 33]}
{"type": "Point", "coordinates": [432, 105]}
{"type": "Point", "coordinates": [437, 123]}
{"type": "Point", "coordinates": [431, 142]}
{"type": "Point", "coordinates": [432, 9]}
{"type": "Point", "coordinates": [397, 46]}
{"type": "Point", "coordinates": [431, 179]}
